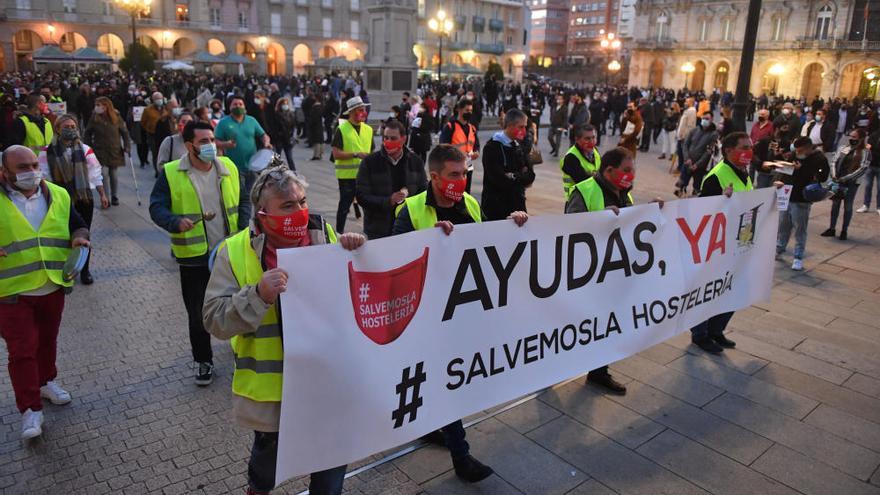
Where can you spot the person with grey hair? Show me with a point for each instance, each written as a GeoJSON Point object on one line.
{"type": "Point", "coordinates": [241, 305]}
{"type": "Point", "coordinates": [506, 170]}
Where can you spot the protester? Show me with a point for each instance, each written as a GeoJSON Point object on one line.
{"type": "Point", "coordinates": [108, 136]}
{"type": "Point", "coordinates": [386, 178]}
{"type": "Point", "coordinates": [185, 202]}
{"type": "Point", "coordinates": [579, 115]}
{"type": "Point", "coordinates": [698, 149]}
{"type": "Point", "coordinates": [770, 149]}
{"type": "Point", "coordinates": [668, 126]}
{"type": "Point", "coordinates": [820, 131]}
{"type": "Point", "coordinates": [315, 128]}
{"type": "Point", "coordinates": [149, 122]}
{"type": "Point", "coordinates": [352, 142]}
{"type": "Point", "coordinates": [506, 170]}
{"type": "Point", "coordinates": [237, 136]}
{"type": "Point", "coordinates": [582, 160]}
{"type": "Point", "coordinates": [558, 124]}
{"type": "Point", "coordinates": [810, 167]}
{"type": "Point", "coordinates": [283, 130]}
{"type": "Point", "coordinates": [686, 124]}
{"type": "Point", "coordinates": [37, 229]}
{"type": "Point", "coordinates": [850, 164]}
{"type": "Point", "coordinates": [32, 129]}
{"type": "Point", "coordinates": [763, 128]}
{"type": "Point", "coordinates": [632, 126]}
{"type": "Point", "coordinates": [646, 112]}
{"type": "Point", "coordinates": [460, 133]}
{"type": "Point", "coordinates": [241, 305]}
{"type": "Point", "coordinates": [173, 147]}
{"type": "Point", "coordinates": [872, 174]}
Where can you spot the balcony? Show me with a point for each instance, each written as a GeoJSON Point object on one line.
{"type": "Point", "coordinates": [496, 25]}
{"type": "Point", "coordinates": [493, 48]}
{"type": "Point", "coordinates": [810, 43]}
{"type": "Point", "coordinates": [654, 44]}
{"type": "Point", "coordinates": [479, 24]}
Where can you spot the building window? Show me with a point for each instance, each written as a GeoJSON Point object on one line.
{"type": "Point", "coordinates": [69, 6]}
{"type": "Point", "coordinates": [355, 5]}
{"type": "Point", "coordinates": [662, 28]}
{"type": "Point", "coordinates": [302, 25]}
{"type": "Point", "coordinates": [823, 23]}
{"type": "Point", "coordinates": [326, 3]}
{"type": "Point", "coordinates": [275, 22]}
{"type": "Point", "coordinates": [704, 29]}
{"type": "Point", "coordinates": [242, 19]}
{"type": "Point", "coordinates": [355, 29]}
{"type": "Point", "coordinates": [215, 17]}
{"type": "Point", "coordinates": [108, 7]}
{"type": "Point", "coordinates": [302, 2]}
{"type": "Point", "coordinates": [777, 29]}
{"type": "Point", "coordinates": [23, 4]}
{"type": "Point", "coordinates": [327, 27]}
{"type": "Point", "coordinates": [181, 12]}
{"type": "Point", "coordinates": [422, 8]}
{"type": "Point", "coordinates": [727, 30]}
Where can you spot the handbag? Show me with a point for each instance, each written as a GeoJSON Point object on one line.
{"type": "Point", "coordinates": [535, 157]}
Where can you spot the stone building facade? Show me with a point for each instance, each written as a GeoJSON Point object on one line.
{"type": "Point", "coordinates": [805, 48]}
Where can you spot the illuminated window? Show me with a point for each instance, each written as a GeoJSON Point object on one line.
{"type": "Point", "coordinates": [182, 12]}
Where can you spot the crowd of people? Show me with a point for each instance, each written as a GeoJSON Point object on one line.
{"type": "Point", "coordinates": [64, 136]}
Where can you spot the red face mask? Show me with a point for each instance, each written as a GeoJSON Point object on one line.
{"type": "Point", "coordinates": [392, 146]}
{"type": "Point", "coordinates": [293, 227]}
{"type": "Point", "coordinates": [741, 158]}
{"type": "Point", "coordinates": [624, 180]}
{"type": "Point", "coordinates": [520, 134]}
{"type": "Point", "coordinates": [180, 128]}
{"type": "Point", "coordinates": [453, 190]}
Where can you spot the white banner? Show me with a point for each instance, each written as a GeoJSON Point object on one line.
{"type": "Point", "coordinates": [411, 333]}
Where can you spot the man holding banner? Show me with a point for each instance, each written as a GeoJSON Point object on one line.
{"type": "Point", "coordinates": [730, 175]}
{"type": "Point", "coordinates": [241, 306]}
{"type": "Point", "coordinates": [443, 205]}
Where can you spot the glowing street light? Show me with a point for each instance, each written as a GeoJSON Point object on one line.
{"type": "Point", "coordinates": [441, 25]}
{"type": "Point", "coordinates": [134, 8]}
{"type": "Point", "coordinates": [688, 69]}
{"type": "Point", "coordinates": [608, 43]}
{"type": "Point", "coordinates": [614, 66]}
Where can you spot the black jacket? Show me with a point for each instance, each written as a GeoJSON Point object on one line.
{"type": "Point", "coordinates": [375, 186]}
{"type": "Point", "coordinates": [506, 174]}
{"type": "Point", "coordinates": [814, 168]}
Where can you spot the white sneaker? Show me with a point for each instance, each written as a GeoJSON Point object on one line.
{"type": "Point", "coordinates": [797, 264]}
{"type": "Point", "coordinates": [31, 424]}
{"type": "Point", "coordinates": [863, 209]}
{"type": "Point", "coordinates": [55, 394]}
{"type": "Point", "coordinates": [878, 211]}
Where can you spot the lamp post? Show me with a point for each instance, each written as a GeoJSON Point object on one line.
{"type": "Point", "coordinates": [441, 25]}
{"type": "Point", "coordinates": [608, 43]}
{"type": "Point", "coordinates": [134, 9]}
{"type": "Point", "coordinates": [688, 69]}
{"type": "Point", "coordinates": [613, 67]}
{"type": "Point", "coordinates": [51, 29]}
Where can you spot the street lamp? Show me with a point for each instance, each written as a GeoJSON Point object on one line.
{"type": "Point", "coordinates": [51, 29]}
{"type": "Point", "coordinates": [608, 43]}
{"type": "Point", "coordinates": [688, 69]}
{"type": "Point", "coordinates": [134, 9]}
{"type": "Point", "coordinates": [441, 25]}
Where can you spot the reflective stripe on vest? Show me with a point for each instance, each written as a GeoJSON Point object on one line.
{"type": "Point", "coordinates": [726, 176]}
{"type": "Point", "coordinates": [589, 168]}
{"type": "Point", "coordinates": [353, 142]}
{"type": "Point", "coordinates": [465, 143]}
{"type": "Point", "coordinates": [185, 203]}
{"type": "Point", "coordinates": [34, 138]}
{"type": "Point", "coordinates": [34, 258]}
{"type": "Point", "coordinates": [423, 216]}
{"type": "Point", "coordinates": [593, 196]}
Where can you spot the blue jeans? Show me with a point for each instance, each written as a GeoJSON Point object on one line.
{"type": "Point", "coordinates": [848, 200]}
{"type": "Point", "coordinates": [872, 176]}
{"type": "Point", "coordinates": [246, 179]}
{"type": "Point", "coordinates": [261, 469]}
{"type": "Point", "coordinates": [797, 216]}
{"type": "Point", "coordinates": [712, 327]}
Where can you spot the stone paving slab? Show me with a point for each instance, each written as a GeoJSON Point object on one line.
{"type": "Point", "coordinates": [795, 408]}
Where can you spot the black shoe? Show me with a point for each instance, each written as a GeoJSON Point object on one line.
{"type": "Point", "coordinates": [114, 201]}
{"type": "Point", "coordinates": [708, 345]}
{"type": "Point", "coordinates": [724, 341]}
{"type": "Point", "coordinates": [662, 156]}
{"type": "Point", "coordinates": [607, 381]}
{"type": "Point", "coordinates": [471, 470]}
{"type": "Point", "coordinates": [435, 438]}
{"type": "Point", "coordinates": [828, 233]}
{"type": "Point", "coordinates": [86, 278]}
{"type": "Point", "coordinates": [842, 235]}
{"type": "Point", "coordinates": [205, 375]}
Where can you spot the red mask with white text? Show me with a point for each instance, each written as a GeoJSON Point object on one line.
{"type": "Point", "coordinates": [294, 227]}
{"type": "Point", "coordinates": [624, 180]}
{"type": "Point", "coordinates": [741, 158]}
{"type": "Point", "coordinates": [392, 145]}
{"type": "Point", "coordinates": [453, 190]}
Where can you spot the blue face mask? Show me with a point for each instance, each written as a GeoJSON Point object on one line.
{"type": "Point", "coordinates": [705, 123]}
{"type": "Point", "coordinates": [207, 152]}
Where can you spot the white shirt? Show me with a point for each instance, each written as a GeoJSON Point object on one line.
{"type": "Point", "coordinates": [816, 133]}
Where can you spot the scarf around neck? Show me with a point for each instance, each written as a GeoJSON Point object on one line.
{"type": "Point", "coordinates": [72, 174]}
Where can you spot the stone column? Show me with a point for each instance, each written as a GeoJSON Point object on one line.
{"type": "Point", "coordinates": [390, 65]}
{"type": "Point", "coordinates": [261, 66]}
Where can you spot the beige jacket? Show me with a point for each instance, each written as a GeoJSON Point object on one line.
{"type": "Point", "coordinates": [232, 310]}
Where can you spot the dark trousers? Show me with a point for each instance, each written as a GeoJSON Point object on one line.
{"type": "Point", "coordinates": [712, 327]}
{"type": "Point", "coordinates": [454, 435]}
{"type": "Point", "coordinates": [600, 371]}
{"type": "Point", "coordinates": [193, 282]}
{"type": "Point", "coordinates": [470, 176]}
{"type": "Point", "coordinates": [154, 148]}
{"type": "Point", "coordinates": [29, 325]}
{"type": "Point", "coordinates": [142, 151]}
{"type": "Point", "coordinates": [347, 191]}
{"type": "Point", "coordinates": [656, 133]}
{"type": "Point", "coordinates": [647, 131]}
{"type": "Point", "coordinates": [554, 137]}
{"type": "Point", "coordinates": [246, 180]}
{"type": "Point", "coordinates": [261, 469]}
{"type": "Point", "coordinates": [848, 200]}
{"type": "Point", "coordinates": [86, 211]}
{"type": "Point", "coordinates": [288, 154]}
{"type": "Point", "coordinates": [685, 177]}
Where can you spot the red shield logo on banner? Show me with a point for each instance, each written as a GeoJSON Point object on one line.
{"type": "Point", "coordinates": [385, 302]}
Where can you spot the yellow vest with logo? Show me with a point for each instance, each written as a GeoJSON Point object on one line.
{"type": "Point", "coordinates": [185, 203]}
{"type": "Point", "coordinates": [259, 355]}
{"type": "Point", "coordinates": [589, 168]}
{"type": "Point", "coordinates": [353, 142]}
{"type": "Point", "coordinates": [424, 216]}
{"type": "Point", "coordinates": [594, 198]}
{"type": "Point", "coordinates": [34, 257]}
{"type": "Point", "coordinates": [34, 138]}
{"type": "Point", "coordinates": [726, 176]}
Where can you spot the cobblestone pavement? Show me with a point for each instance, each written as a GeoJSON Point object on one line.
{"type": "Point", "coordinates": [794, 409]}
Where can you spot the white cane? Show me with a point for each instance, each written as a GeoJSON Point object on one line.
{"type": "Point", "coordinates": [137, 191]}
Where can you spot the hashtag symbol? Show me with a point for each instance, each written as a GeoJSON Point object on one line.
{"type": "Point", "coordinates": [409, 382]}
{"type": "Point", "coordinates": [364, 292]}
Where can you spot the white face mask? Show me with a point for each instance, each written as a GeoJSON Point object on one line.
{"type": "Point", "coordinates": [28, 181]}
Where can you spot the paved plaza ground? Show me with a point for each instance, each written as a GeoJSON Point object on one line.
{"type": "Point", "coordinates": [794, 409]}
